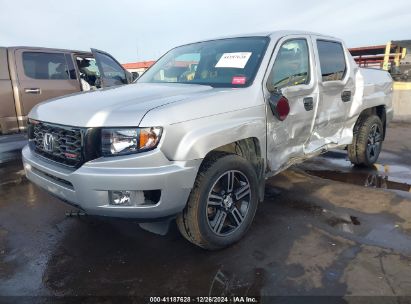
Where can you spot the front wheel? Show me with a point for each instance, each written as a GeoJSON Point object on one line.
{"type": "Point", "coordinates": [367, 142]}
{"type": "Point", "coordinates": [222, 203]}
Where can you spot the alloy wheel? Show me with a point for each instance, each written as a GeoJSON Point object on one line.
{"type": "Point", "coordinates": [374, 142]}
{"type": "Point", "coordinates": [228, 202]}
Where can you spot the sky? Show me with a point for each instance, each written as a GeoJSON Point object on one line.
{"type": "Point", "coordinates": [145, 29]}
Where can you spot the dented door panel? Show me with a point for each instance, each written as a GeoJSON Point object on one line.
{"type": "Point", "coordinates": [334, 103]}
{"type": "Point", "coordinates": [286, 139]}
{"type": "Point", "coordinates": [373, 89]}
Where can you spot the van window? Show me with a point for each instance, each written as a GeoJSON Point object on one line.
{"type": "Point", "coordinates": [45, 65]}
{"type": "Point", "coordinates": [332, 60]}
{"type": "Point", "coordinates": [291, 67]}
{"type": "Point", "coordinates": [70, 65]}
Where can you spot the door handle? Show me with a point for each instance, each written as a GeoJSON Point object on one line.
{"type": "Point", "coordinates": [308, 103]}
{"type": "Point", "coordinates": [32, 91]}
{"type": "Point", "coordinates": [346, 96]}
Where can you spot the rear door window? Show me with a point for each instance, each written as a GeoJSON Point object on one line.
{"type": "Point", "coordinates": [332, 60]}
{"type": "Point", "coordinates": [39, 65]}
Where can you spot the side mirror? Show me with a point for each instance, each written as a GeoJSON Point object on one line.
{"type": "Point", "coordinates": [135, 75]}
{"type": "Point", "coordinates": [279, 105]}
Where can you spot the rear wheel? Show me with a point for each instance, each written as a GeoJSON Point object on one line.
{"type": "Point", "coordinates": [222, 203]}
{"type": "Point", "coordinates": [367, 142]}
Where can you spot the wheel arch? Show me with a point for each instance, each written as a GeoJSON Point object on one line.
{"type": "Point", "coordinates": [250, 149]}
{"type": "Point", "coordinates": [380, 111]}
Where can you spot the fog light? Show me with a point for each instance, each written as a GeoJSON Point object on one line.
{"type": "Point", "coordinates": [126, 197]}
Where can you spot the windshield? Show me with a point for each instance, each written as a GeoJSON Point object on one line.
{"type": "Point", "coordinates": [220, 63]}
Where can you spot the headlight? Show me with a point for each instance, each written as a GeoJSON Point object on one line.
{"type": "Point", "coordinates": [120, 141]}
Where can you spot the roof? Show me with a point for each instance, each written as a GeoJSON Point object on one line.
{"type": "Point", "coordinates": [138, 65]}
{"type": "Point", "coordinates": [276, 33]}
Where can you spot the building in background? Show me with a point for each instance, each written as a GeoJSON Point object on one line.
{"type": "Point", "coordinates": [138, 67]}
{"type": "Point", "coordinates": [394, 57]}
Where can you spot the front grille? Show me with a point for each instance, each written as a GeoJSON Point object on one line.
{"type": "Point", "coordinates": [61, 144]}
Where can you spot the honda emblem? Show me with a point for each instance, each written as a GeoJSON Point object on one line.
{"type": "Point", "coordinates": [48, 142]}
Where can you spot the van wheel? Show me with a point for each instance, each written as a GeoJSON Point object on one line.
{"type": "Point", "coordinates": [367, 142]}
{"type": "Point", "coordinates": [222, 203]}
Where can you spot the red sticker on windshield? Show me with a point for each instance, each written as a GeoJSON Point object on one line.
{"type": "Point", "coordinates": [238, 80]}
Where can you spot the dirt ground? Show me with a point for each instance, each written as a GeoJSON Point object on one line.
{"type": "Point", "coordinates": [325, 228]}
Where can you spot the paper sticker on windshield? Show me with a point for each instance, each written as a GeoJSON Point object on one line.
{"type": "Point", "coordinates": [233, 60]}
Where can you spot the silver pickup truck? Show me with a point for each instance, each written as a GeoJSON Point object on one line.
{"type": "Point", "coordinates": [196, 137]}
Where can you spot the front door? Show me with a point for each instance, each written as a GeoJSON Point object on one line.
{"type": "Point", "coordinates": [111, 71]}
{"type": "Point", "coordinates": [336, 89]}
{"type": "Point", "coordinates": [293, 76]}
{"type": "Point", "coordinates": [43, 75]}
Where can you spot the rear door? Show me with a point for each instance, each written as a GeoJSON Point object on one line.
{"type": "Point", "coordinates": [336, 90]}
{"type": "Point", "coordinates": [112, 72]}
{"type": "Point", "coordinates": [44, 74]}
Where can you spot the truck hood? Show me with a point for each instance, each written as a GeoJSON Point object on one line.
{"type": "Point", "coordinates": [116, 106]}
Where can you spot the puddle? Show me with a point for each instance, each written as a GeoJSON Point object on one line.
{"type": "Point", "coordinates": [335, 221]}
{"type": "Point", "coordinates": [11, 173]}
{"type": "Point", "coordinates": [334, 165]}
{"type": "Point", "coordinates": [6, 157]}
{"type": "Point", "coordinates": [343, 223]}
{"type": "Point", "coordinates": [372, 229]}
{"type": "Point", "coordinates": [367, 179]}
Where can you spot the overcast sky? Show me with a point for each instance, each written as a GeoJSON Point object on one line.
{"type": "Point", "coordinates": [145, 29]}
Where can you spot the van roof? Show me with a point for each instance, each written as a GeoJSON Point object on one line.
{"type": "Point", "coordinates": [36, 48]}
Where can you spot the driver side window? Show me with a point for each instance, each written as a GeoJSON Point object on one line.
{"type": "Point", "coordinates": [291, 67]}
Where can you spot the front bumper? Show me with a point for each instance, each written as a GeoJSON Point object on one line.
{"type": "Point", "coordinates": [87, 187]}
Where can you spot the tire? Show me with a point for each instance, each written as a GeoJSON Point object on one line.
{"type": "Point", "coordinates": [367, 141]}
{"type": "Point", "coordinates": [203, 222]}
